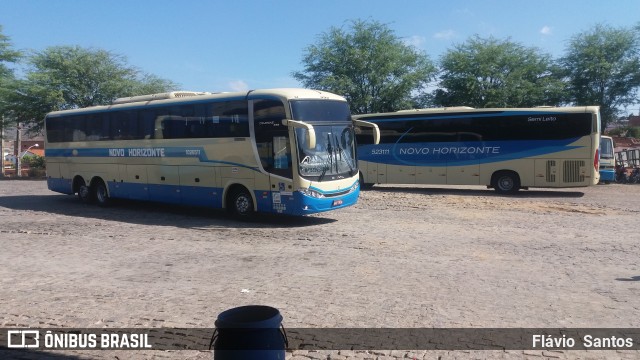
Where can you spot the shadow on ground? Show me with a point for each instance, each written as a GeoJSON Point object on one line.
{"type": "Point", "coordinates": [480, 192]}
{"type": "Point", "coordinates": [149, 213]}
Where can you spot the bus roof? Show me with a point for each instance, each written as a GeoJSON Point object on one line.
{"type": "Point", "coordinates": [159, 96]}
{"type": "Point", "coordinates": [464, 109]}
{"type": "Point", "coordinates": [178, 97]}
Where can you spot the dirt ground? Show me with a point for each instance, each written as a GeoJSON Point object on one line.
{"type": "Point", "coordinates": [410, 256]}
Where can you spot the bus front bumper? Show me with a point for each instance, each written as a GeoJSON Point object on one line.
{"type": "Point", "coordinates": [607, 175]}
{"type": "Point", "coordinates": [299, 203]}
{"type": "Point", "coordinates": [310, 205]}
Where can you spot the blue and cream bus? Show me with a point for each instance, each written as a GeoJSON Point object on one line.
{"type": "Point", "coordinates": [607, 160]}
{"type": "Point", "coordinates": [505, 149]}
{"type": "Point", "coordinates": [288, 151]}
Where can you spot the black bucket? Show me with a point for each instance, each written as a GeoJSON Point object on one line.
{"type": "Point", "coordinates": [250, 332]}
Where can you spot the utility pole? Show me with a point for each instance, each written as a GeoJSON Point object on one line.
{"type": "Point", "coordinates": [17, 147]}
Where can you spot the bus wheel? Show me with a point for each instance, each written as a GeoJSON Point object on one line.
{"type": "Point", "coordinates": [241, 203]}
{"type": "Point", "coordinates": [101, 194]}
{"type": "Point", "coordinates": [364, 186]}
{"type": "Point", "coordinates": [84, 194]}
{"type": "Point", "coordinates": [506, 182]}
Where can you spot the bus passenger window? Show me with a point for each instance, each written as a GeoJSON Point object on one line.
{"type": "Point", "coordinates": [78, 128]}
{"type": "Point", "coordinates": [281, 153]}
{"type": "Point", "coordinates": [147, 120]}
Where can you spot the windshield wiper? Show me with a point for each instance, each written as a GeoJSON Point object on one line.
{"type": "Point", "coordinates": [346, 158]}
{"type": "Point", "coordinates": [330, 150]}
{"type": "Point", "coordinates": [325, 167]}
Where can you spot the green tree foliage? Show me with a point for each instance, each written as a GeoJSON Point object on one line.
{"type": "Point", "coordinates": [602, 67]}
{"type": "Point", "coordinates": [496, 73]}
{"type": "Point", "coordinates": [625, 131]}
{"type": "Point", "coordinates": [7, 79]}
{"type": "Point", "coordinates": [634, 132]}
{"type": "Point", "coordinates": [7, 55]}
{"type": "Point", "coordinates": [368, 64]}
{"type": "Point", "coordinates": [69, 77]}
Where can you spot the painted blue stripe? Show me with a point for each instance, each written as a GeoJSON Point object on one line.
{"type": "Point", "coordinates": [299, 204]}
{"type": "Point", "coordinates": [460, 153]}
{"type": "Point", "coordinates": [607, 175]}
{"type": "Point", "coordinates": [152, 152]}
{"type": "Point", "coordinates": [309, 205]}
{"type": "Point", "coordinates": [173, 194]}
{"type": "Point", "coordinates": [60, 185]}
{"type": "Point", "coordinates": [293, 204]}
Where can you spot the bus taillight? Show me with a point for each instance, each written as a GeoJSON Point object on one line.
{"type": "Point", "coordinates": [596, 160]}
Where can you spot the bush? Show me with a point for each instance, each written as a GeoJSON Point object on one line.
{"type": "Point", "coordinates": [34, 161]}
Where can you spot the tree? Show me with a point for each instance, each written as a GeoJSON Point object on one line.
{"type": "Point", "coordinates": [7, 79]}
{"type": "Point", "coordinates": [367, 64]}
{"type": "Point", "coordinates": [634, 132]}
{"type": "Point", "coordinates": [497, 73]}
{"type": "Point", "coordinates": [7, 55]}
{"type": "Point", "coordinates": [69, 77]}
{"type": "Point", "coordinates": [602, 67]}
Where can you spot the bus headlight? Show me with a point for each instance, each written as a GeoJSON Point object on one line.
{"type": "Point", "coordinates": [311, 193]}
{"type": "Point", "coordinates": [354, 187]}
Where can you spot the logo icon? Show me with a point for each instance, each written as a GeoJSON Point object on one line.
{"type": "Point", "coordinates": [23, 339]}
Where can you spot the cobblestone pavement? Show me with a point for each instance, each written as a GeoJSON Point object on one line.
{"type": "Point", "coordinates": [402, 257]}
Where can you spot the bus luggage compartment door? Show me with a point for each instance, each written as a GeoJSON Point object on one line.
{"type": "Point", "coordinates": [378, 172]}
{"type": "Point", "coordinates": [463, 175]}
{"type": "Point", "coordinates": [401, 174]}
{"type": "Point", "coordinates": [164, 183]}
{"type": "Point", "coordinates": [431, 175]}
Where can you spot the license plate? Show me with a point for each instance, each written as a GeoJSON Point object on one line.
{"type": "Point", "coordinates": [337, 202]}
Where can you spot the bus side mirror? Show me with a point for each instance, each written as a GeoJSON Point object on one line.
{"type": "Point", "coordinates": [374, 127]}
{"type": "Point", "coordinates": [310, 133]}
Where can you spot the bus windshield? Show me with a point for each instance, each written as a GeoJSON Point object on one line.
{"type": "Point", "coordinates": [606, 148]}
{"type": "Point", "coordinates": [333, 157]}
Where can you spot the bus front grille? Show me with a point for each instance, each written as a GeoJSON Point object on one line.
{"type": "Point", "coordinates": [344, 192]}
{"type": "Point", "coordinates": [571, 171]}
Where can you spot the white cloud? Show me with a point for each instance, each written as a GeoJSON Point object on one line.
{"type": "Point", "coordinates": [464, 12]}
{"type": "Point", "coordinates": [415, 41]}
{"type": "Point", "coordinates": [445, 35]}
{"type": "Point", "coordinates": [238, 85]}
{"type": "Point", "coordinates": [546, 30]}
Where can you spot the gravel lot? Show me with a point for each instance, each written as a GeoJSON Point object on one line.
{"type": "Point", "coordinates": [419, 256]}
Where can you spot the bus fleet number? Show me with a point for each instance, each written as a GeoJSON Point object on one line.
{"type": "Point", "coordinates": [379, 151]}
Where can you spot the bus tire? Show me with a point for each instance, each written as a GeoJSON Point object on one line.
{"type": "Point", "coordinates": [241, 203]}
{"type": "Point", "coordinates": [364, 186]}
{"type": "Point", "coordinates": [100, 193]}
{"type": "Point", "coordinates": [506, 182]}
{"type": "Point", "coordinates": [85, 193]}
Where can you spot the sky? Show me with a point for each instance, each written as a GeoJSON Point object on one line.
{"type": "Point", "coordinates": [237, 45]}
